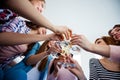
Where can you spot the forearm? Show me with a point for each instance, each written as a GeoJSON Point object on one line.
{"type": "Point", "coordinates": [26, 9]}
{"type": "Point", "coordinates": [34, 59]}
{"type": "Point", "coordinates": [103, 50]}
{"type": "Point", "coordinates": [10, 38]}
{"type": "Point", "coordinates": [81, 76]}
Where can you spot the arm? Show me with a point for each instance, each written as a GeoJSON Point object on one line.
{"type": "Point", "coordinates": [103, 50]}
{"type": "Point", "coordinates": [41, 53]}
{"type": "Point", "coordinates": [115, 53]}
{"type": "Point", "coordinates": [34, 59]}
{"type": "Point", "coordinates": [26, 9]}
{"type": "Point", "coordinates": [10, 38]}
{"type": "Point", "coordinates": [82, 41]}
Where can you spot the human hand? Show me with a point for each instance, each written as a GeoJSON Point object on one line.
{"type": "Point", "coordinates": [72, 61]}
{"type": "Point", "coordinates": [54, 48]}
{"type": "Point", "coordinates": [81, 41]}
{"type": "Point", "coordinates": [64, 31]}
{"type": "Point", "coordinates": [58, 63]}
{"type": "Point", "coordinates": [76, 70]}
{"type": "Point", "coordinates": [56, 37]}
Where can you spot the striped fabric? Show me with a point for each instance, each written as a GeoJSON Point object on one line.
{"type": "Point", "coordinates": [98, 72]}
{"type": "Point", "coordinates": [16, 25]}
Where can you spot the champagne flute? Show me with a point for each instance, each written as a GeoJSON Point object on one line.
{"type": "Point", "coordinates": [67, 47]}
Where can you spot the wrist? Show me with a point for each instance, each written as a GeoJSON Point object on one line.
{"type": "Point", "coordinates": [47, 53]}
{"type": "Point", "coordinates": [81, 77]}
{"type": "Point", "coordinates": [52, 28]}
{"type": "Point", "coordinates": [90, 47]}
{"type": "Point", "coordinates": [50, 36]}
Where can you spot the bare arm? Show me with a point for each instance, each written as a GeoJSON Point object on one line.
{"type": "Point", "coordinates": [34, 59]}
{"type": "Point", "coordinates": [10, 38]}
{"type": "Point", "coordinates": [82, 41]}
{"type": "Point", "coordinates": [27, 10]}
{"type": "Point", "coordinates": [103, 50]}
{"type": "Point", "coordinates": [43, 52]}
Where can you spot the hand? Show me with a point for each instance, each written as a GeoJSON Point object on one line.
{"type": "Point", "coordinates": [81, 41]}
{"type": "Point", "coordinates": [64, 31]}
{"type": "Point", "coordinates": [77, 70]}
{"type": "Point", "coordinates": [56, 64]}
{"type": "Point", "coordinates": [56, 37]}
{"type": "Point", "coordinates": [54, 48]}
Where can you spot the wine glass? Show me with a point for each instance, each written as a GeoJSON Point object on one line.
{"type": "Point", "coordinates": [67, 47]}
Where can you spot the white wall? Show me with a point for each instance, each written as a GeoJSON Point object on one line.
{"type": "Point", "coordinates": [92, 18]}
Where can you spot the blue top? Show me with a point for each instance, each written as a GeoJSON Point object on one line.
{"type": "Point", "coordinates": [22, 64]}
{"type": "Point", "coordinates": [44, 72]}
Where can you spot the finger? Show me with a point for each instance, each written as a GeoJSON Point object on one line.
{"type": "Point", "coordinates": [75, 38]}
{"type": "Point", "coordinates": [76, 41]}
{"type": "Point", "coordinates": [71, 60]}
{"type": "Point", "coordinates": [70, 33]}
{"type": "Point", "coordinates": [49, 44]}
{"type": "Point", "coordinates": [61, 37]}
{"type": "Point", "coordinates": [43, 31]}
{"type": "Point", "coordinates": [64, 36]}
{"type": "Point", "coordinates": [58, 37]}
{"type": "Point", "coordinates": [39, 31]}
{"type": "Point", "coordinates": [57, 44]}
{"type": "Point", "coordinates": [67, 34]}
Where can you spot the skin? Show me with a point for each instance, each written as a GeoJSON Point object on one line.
{"type": "Point", "coordinates": [105, 61]}
{"type": "Point", "coordinates": [39, 5]}
{"type": "Point", "coordinates": [26, 9]}
{"type": "Point", "coordinates": [84, 43]}
{"type": "Point", "coordinates": [67, 58]}
{"type": "Point", "coordinates": [43, 52]}
{"type": "Point", "coordinates": [56, 66]}
{"type": "Point", "coordinates": [77, 70]}
{"type": "Point", "coordinates": [103, 50]}
{"type": "Point", "coordinates": [115, 33]}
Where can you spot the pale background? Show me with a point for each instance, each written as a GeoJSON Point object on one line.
{"type": "Point", "coordinates": [93, 18]}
